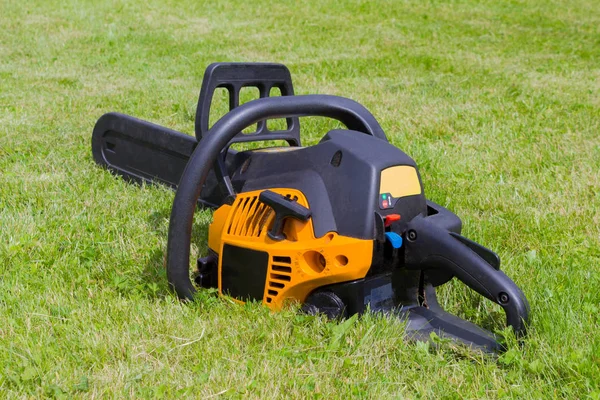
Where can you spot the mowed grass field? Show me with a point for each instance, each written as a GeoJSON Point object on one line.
{"type": "Point", "coordinates": [498, 102]}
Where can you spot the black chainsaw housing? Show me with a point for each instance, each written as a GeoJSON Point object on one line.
{"type": "Point", "coordinates": [340, 179]}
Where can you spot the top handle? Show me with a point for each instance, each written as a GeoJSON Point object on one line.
{"type": "Point", "coordinates": [235, 76]}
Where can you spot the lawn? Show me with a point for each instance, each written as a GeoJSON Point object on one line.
{"type": "Point", "coordinates": [498, 102]}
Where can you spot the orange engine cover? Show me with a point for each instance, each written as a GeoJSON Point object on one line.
{"type": "Point", "coordinates": [253, 266]}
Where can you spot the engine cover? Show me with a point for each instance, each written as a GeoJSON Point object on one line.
{"type": "Point", "coordinates": [252, 266]}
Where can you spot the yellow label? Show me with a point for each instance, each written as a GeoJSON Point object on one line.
{"type": "Point", "coordinates": [399, 181]}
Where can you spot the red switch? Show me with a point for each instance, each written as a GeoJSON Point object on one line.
{"type": "Point", "coordinates": [389, 219]}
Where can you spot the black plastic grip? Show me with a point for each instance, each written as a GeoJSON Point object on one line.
{"type": "Point", "coordinates": [430, 247]}
{"type": "Point", "coordinates": [235, 76]}
{"type": "Point", "coordinates": [284, 207]}
{"type": "Point", "coordinates": [347, 111]}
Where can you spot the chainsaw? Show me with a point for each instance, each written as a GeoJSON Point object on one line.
{"type": "Point", "coordinates": [341, 227]}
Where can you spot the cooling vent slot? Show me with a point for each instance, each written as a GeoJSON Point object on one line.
{"type": "Point", "coordinates": [251, 218]}
{"type": "Point", "coordinates": [280, 274]}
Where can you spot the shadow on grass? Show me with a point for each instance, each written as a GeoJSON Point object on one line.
{"type": "Point", "coordinates": [154, 274]}
{"type": "Point", "coordinates": [475, 308]}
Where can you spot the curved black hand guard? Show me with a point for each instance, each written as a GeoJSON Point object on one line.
{"type": "Point", "coordinates": [347, 111]}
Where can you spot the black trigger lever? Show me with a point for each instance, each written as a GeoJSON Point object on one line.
{"type": "Point", "coordinates": [284, 207]}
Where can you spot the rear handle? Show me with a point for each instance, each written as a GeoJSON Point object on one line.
{"type": "Point", "coordinates": [430, 247]}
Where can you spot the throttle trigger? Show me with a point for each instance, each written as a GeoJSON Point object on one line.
{"type": "Point", "coordinates": [284, 207]}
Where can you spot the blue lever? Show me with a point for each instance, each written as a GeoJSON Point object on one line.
{"type": "Point", "coordinates": [394, 239]}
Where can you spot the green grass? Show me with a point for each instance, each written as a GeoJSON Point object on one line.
{"type": "Point", "coordinates": [499, 103]}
